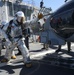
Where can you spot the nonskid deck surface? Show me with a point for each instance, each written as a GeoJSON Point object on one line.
{"type": "Point", "coordinates": [43, 62]}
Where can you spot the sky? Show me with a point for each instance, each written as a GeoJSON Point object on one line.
{"type": "Point", "coordinates": [54, 4]}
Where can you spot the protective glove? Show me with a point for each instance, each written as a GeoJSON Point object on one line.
{"type": "Point", "coordinates": [40, 15]}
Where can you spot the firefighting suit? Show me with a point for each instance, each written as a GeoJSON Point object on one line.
{"type": "Point", "coordinates": [15, 36]}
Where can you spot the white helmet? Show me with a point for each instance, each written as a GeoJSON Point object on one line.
{"type": "Point", "coordinates": [20, 16]}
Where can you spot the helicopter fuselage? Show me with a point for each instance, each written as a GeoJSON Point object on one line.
{"type": "Point", "coordinates": [62, 20]}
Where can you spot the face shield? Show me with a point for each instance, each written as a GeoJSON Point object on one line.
{"type": "Point", "coordinates": [20, 17]}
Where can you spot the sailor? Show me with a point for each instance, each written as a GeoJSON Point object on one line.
{"type": "Point", "coordinates": [15, 36]}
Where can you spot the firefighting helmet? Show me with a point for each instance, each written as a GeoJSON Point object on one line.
{"type": "Point", "coordinates": [20, 16]}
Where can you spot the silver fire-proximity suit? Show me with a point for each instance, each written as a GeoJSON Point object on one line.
{"type": "Point", "coordinates": [15, 36]}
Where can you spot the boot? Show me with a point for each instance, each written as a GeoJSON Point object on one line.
{"type": "Point", "coordinates": [28, 65]}
{"type": "Point", "coordinates": [4, 60]}
{"type": "Point", "coordinates": [13, 57]}
{"type": "Point", "coordinates": [59, 49]}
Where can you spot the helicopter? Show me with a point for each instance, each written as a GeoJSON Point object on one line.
{"type": "Point", "coordinates": [59, 26]}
